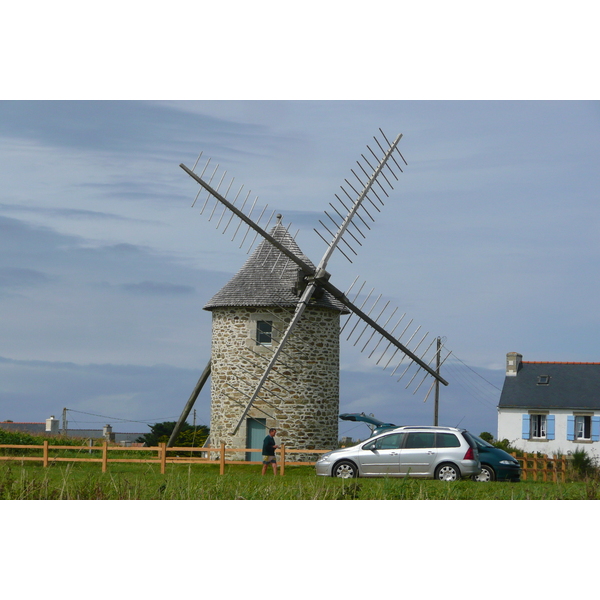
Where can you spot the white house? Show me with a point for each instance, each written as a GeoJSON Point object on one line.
{"type": "Point", "coordinates": [550, 407]}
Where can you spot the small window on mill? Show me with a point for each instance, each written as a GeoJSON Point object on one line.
{"type": "Point", "coordinates": [543, 379]}
{"type": "Point", "coordinates": [264, 333]}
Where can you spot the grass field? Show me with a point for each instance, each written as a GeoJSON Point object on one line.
{"type": "Point", "coordinates": [79, 481]}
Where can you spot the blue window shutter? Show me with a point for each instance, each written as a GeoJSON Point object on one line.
{"type": "Point", "coordinates": [525, 427]}
{"type": "Point", "coordinates": [595, 429]}
{"type": "Point", "coordinates": [550, 427]}
{"type": "Point", "coordinates": [571, 427]}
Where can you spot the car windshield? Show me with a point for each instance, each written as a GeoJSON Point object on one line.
{"type": "Point", "coordinates": [481, 442]}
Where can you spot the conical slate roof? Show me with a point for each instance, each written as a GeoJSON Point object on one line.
{"type": "Point", "coordinates": [269, 278]}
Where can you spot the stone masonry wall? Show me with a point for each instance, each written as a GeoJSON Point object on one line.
{"type": "Point", "coordinates": [304, 398]}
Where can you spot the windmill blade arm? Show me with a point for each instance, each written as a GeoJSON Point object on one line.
{"type": "Point", "coordinates": [190, 403]}
{"type": "Point", "coordinates": [303, 265]}
{"type": "Point", "coordinates": [358, 201]}
{"type": "Point", "coordinates": [339, 295]}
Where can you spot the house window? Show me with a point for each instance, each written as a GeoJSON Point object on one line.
{"type": "Point", "coordinates": [543, 379]}
{"type": "Point", "coordinates": [583, 428]}
{"type": "Point", "coordinates": [264, 333]}
{"type": "Point", "coordinates": [538, 426]}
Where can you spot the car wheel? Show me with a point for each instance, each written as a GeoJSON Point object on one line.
{"type": "Point", "coordinates": [345, 469]}
{"type": "Point", "coordinates": [447, 472]}
{"type": "Point", "coordinates": [487, 474]}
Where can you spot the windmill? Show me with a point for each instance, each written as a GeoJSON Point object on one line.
{"type": "Point", "coordinates": [368, 323]}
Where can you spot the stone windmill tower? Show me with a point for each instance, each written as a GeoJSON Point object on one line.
{"type": "Point", "coordinates": [249, 316]}
{"type": "Point", "coordinates": [276, 324]}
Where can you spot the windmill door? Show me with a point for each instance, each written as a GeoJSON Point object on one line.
{"type": "Point", "coordinates": [256, 430]}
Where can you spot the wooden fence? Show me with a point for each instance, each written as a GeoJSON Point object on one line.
{"type": "Point", "coordinates": [548, 468]}
{"type": "Point", "coordinates": [533, 466]}
{"type": "Point", "coordinates": [204, 455]}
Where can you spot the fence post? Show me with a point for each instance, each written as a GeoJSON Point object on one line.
{"type": "Point", "coordinates": [104, 456]}
{"type": "Point", "coordinates": [282, 464]}
{"type": "Point", "coordinates": [163, 456]}
{"type": "Point", "coordinates": [222, 459]}
{"type": "Point", "coordinates": [45, 453]}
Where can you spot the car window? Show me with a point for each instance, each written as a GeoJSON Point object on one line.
{"type": "Point", "coordinates": [470, 439]}
{"type": "Point", "coordinates": [447, 440]}
{"type": "Point", "coordinates": [421, 439]}
{"type": "Point", "coordinates": [390, 441]}
{"type": "Point", "coordinates": [481, 443]}
{"type": "Point", "coordinates": [386, 442]}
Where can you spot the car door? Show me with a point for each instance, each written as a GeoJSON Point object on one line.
{"type": "Point", "coordinates": [417, 457]}
{"type": "Point", "coordinates": [381, 456]}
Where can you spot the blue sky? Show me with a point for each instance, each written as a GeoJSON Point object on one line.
{"type": "Point", "coordinates": [488, 240]}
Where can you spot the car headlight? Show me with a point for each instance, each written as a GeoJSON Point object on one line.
{"type": "Point", "coordinates": [509, 462]}
{"type": "Point", "coordinates": [325, 458]}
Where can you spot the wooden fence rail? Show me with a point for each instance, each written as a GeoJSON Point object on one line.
{"type": "Point", "coordinates": [533, 465]}
{"type": "Point", "coordinates": [162, 455]}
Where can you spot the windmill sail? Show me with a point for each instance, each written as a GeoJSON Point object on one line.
{"type": "Point", "coordinates": [364, 198]}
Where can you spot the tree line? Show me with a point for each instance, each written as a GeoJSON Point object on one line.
{"type": "Point", "coordinates": [189, 436]}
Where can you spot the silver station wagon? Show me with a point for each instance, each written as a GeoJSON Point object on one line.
{"type": "Point", "coordinates": [445, 453]}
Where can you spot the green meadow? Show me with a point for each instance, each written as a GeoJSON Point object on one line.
{"type": "Point", "coordinates": [20, 480]}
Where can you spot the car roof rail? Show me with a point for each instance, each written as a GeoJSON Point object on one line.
{"type": "Point", "coordinates": [434, 427]}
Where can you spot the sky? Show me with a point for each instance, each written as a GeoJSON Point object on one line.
{"type": "Point", "coordinates": [488, 240]}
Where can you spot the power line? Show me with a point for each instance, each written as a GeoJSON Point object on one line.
{"type": "Point", "coordinates": [475, 372]}
{"type": "Point", "coordinates": [472, 382]}
{"type": "Point", "coordinates": [144, 422]}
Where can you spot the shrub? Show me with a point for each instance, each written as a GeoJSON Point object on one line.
{"type": "Point", "coordinates": [507, 447]}
{"type": "Point", "coordinates": [27, 439]}
{"type": "Point", "coordinates": [583, 464]}
{"type": "Point", "coordinates": [188, 436]}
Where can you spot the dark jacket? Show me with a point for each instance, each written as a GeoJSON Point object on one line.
{"type": "Point", "coordinates": [269, 446]}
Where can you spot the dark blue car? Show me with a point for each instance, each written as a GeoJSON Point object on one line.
{"type": "Point", "coordinates": [496, 464]}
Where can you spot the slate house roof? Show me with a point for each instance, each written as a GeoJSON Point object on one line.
{"type": "Point", "coordinates": [551, 385]}
{"type": "Point", "coordinates": [269, 278]}
{"type": "Point", "coordinates": [33, 428]}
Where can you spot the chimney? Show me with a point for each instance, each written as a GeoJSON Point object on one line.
{"type": "Point", "coordinates": [107, 433]}
{"type": "Point", "coordinates": [513, 363]}
{"type": "Point", "coordinates": [52, 425]}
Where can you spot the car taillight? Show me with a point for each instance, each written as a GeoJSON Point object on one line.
{"type": "Point", "coordinates": [470, 455]}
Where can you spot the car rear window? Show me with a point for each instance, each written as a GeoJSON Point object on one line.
{"type": "Point", "coordinates": [469, 438]}
{"type": "Point", "coordinates": [447, 440]}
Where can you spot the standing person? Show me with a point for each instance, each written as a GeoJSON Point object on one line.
{"type": "Point", "coordinates": [268, 450]}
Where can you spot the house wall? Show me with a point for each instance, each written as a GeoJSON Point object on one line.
{"type": "Point", "coordinates": [306, 407]}
{"type": "Point", "coordinates": [510, 427]}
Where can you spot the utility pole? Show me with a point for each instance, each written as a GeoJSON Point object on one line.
{"type": "Point", "coordinates": [437, 382]}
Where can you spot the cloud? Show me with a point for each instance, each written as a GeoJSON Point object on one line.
{"type": "Point", "coordinates": [11, 277]}
{"type": "Point", "coordinates": [157, 288]}
{"type": "Point", "coordinates": [143, 128]}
